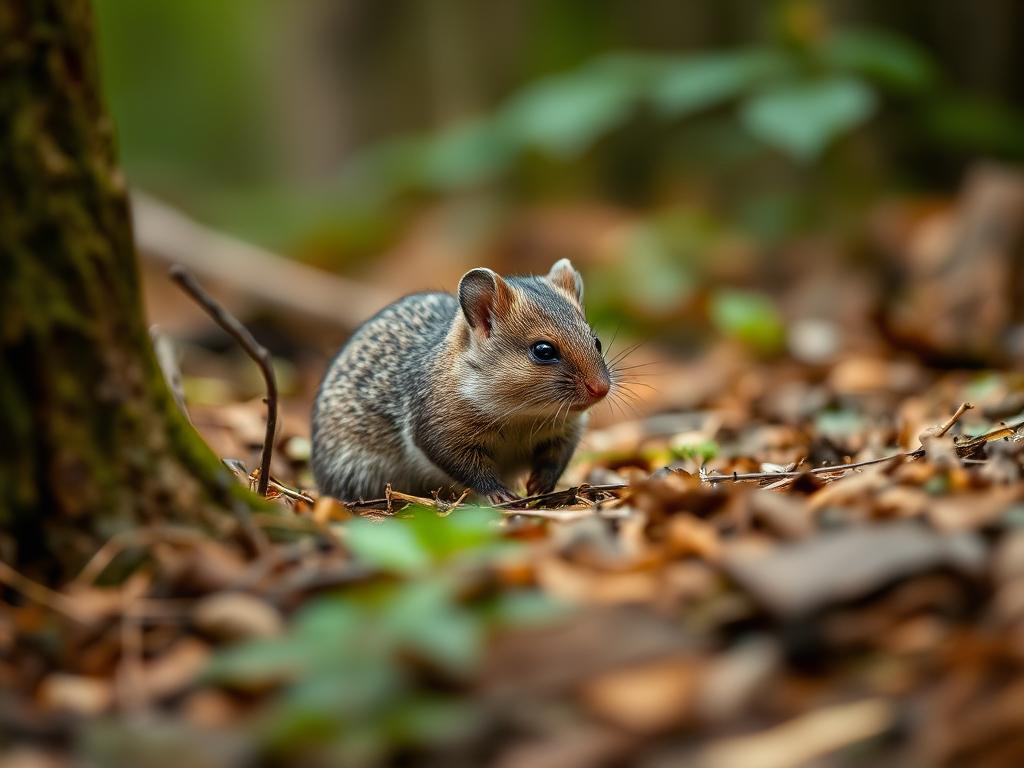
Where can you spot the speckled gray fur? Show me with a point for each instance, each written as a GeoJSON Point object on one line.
{"type": "Point", "coordinates": [422, 398]}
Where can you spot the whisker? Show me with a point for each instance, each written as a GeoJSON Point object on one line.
{"type": "Point", "coordinates": [564, 398]}
{"type": "Point", "coordinates": [636, 367]}
{"type": "Point", "coordinates": [611, 343]}
{"type": "Point", "coordinates": [627, 383]}
{"type": "Point", "coordinates": [627, 392]}
{"type": "Point", "coordinates": [624, 404]}
{"type": "Point", "coordinates": [512, 411]}
{"type": "Point", "coordinates": [568, 410]}
{"type": "Point", "coordinates": [631, 402]}
{"type": "Point", "coordinates": [625, 353]}
{"type": "Point", "coordinates": [614, 407]}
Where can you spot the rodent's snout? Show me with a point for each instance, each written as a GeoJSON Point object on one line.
{"type": "Point", "coordinates": [597, 384]}
{"type": "Point", "coordinates": [598, 388]}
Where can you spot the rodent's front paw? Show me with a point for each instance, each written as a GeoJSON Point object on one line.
{"type": "Point", "coordinates": [539, 484]}
{"type": "Point", "coordinates": [502, 496]}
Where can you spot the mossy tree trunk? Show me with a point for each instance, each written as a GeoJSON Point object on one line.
{"type": "Point", "coordinates": [91, 442]}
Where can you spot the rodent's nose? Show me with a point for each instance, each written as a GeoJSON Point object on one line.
{"type": "Point", "coordinates": [598, 388]}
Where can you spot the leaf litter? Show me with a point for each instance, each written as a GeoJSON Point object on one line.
{"type": "Point", "coordinates": [772, 563]}
{"type": "Point", "coordinates": [696, 611]}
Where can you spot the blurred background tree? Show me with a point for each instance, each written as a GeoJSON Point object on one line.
{"type": "Point", "coordinates": [676, 151]}
{"type": "Point", "coordinates": [328, 114]}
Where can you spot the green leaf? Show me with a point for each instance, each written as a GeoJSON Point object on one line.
{"type": "Point", "coordinates": [700, 450]}
{"type": "Point", "coordinates": [424, 616]}
{"type": "Point", "coordinates": [329, 617]}
{"type": "Point", "coordinates": [839, 423]}
{"type": "Point", "coordinates": [524, 608]}
{"type": "Point", "coordinates": [328, 703]}
{"type": "Point", "coordinates": [803, 118]}
{"type": "Point", "coordinates": [255, 664]}
{"type": "Point", "coordinates": [565, 114]}
{"type": "Point", "coordinates": [466, 154]}
{"type": "Point", "coordinates": [464, 530]}
{"type": "Point", "coordinates": [318, 631]}
{"type": "Point", "coordinates": [353, 688]}
{"type": "Point", "coordinates": [750, 318]}
{"type": "Point", "coordinates": [432, 720]}
{"type": "Point", "coordinates": [699, 82]}
{"type": "Point", "coordinates": [389, 544]}
{"type": "Point", "coordinates": [652, 274]}
{"type": "Point", "coordinates": [385, 169]}
{"type": "Point", "coordinates": [888, 58]}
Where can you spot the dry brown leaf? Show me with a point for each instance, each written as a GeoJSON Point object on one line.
{"type": "Point", "coordinates": [805, 739]}
{"type": "Point", "coordinates": [839, 566]}
{"type": "Point", "coordinates": [688, 535]}
{"type": "Point", "coordinates": [236, 616]}
{"type": "Point", "coordinates": [646, 698]}
{"type": "Point", "coordinates": [731, 681]}
{"type": "Point", "coordinates": [75, 693]}
{"type": "Point", "coordinates": [173, 670]}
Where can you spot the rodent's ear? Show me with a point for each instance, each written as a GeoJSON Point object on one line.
{"type": "Point", "coordinates": [483, 296]}
{"type": "Point", "coordinates": [564, 275]}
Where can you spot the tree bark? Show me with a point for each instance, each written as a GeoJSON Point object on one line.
{"type": "Point", "coordinates": [91, 442]}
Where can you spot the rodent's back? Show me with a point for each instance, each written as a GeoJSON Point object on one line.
{"type": "Point", "coordinates": [371, 390]}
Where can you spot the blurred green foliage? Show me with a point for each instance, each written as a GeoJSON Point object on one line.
{"type": "Point", "coordinates": [806, 114]}
{"type": "Point", "coordinates": [699, 451]}
{"type": "Point", "coordinates": [796, 127]}
{"type": "Point", "coordinates": [795, 96]}
{"type": "Point", "coordinates": [185, 81]}
{"type": "Point", "coordinates": [750, 318]}
{"type": "Point", "coordinates": [342, 683]}
{"type": "Point", "coordinates": [423, 540]}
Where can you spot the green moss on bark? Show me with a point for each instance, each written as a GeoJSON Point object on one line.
{"type": "Point", "coordinates": [91, 442]}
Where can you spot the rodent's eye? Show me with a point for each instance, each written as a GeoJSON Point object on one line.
{"type": "Point", "coordinates": [544, 352]}
{"type": "Point", "coordinates": [597, 343]}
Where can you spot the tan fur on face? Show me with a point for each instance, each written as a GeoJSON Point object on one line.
{"type": "Point", "coordinates": [502, 361]}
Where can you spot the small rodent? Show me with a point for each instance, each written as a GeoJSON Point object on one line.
{"type": "Point", "coordinates": [438, 392]}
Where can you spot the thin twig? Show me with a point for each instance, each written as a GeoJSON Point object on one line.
{"type": "Point", "coordinates": [570, 515]}
{"type": "Point", "coordinates": [779, 484]}
{"type": "Point", "coordinates": [254, 349]}
{"type": "Point", "coordinates": [135, 537]}
{"type": "Point", "coordinates": [569, 495]}
{"type": "Point", "coordinates": [964, 407]}
{"type": "Point", "coordinates": [41, 594]}
{"type": "Point", "coordinates": [741, 476]}
{"type": "Point", "coordinates": [964, 449]}
{"type": "Point", "coordinates": [291, 493]}
{"type": "Point", "coordinates": [444, 508]}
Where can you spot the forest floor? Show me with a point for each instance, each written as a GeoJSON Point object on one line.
{"type": "Point", "coordinates": [719, 588]}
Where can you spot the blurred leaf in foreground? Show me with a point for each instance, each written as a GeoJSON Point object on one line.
{"type": "Point", "coordinates": [387, 545]}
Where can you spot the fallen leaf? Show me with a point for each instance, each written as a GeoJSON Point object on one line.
{"type": "Point", "coordinates": [844, 565]}
{"type": "Point", "coordinates": [236, 616]}
{"type": "Point", "coordinates": [646, 698]}
{"type": "Point", "coordinates": [804, 739]}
